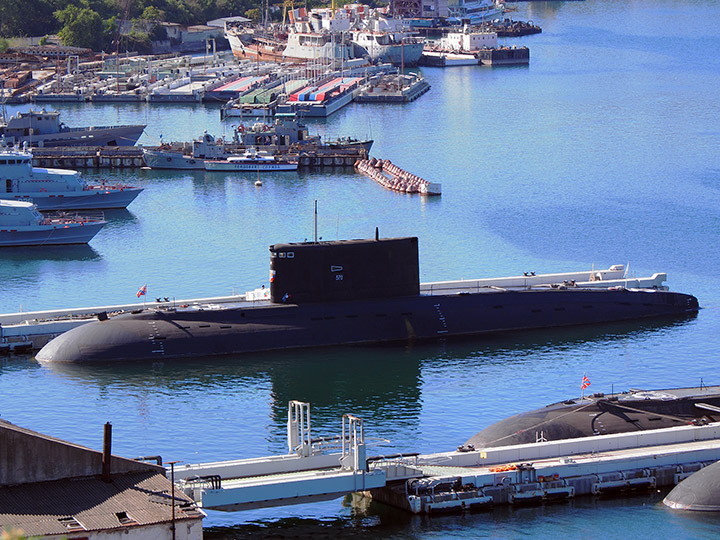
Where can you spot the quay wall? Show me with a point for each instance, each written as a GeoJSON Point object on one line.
{"type": "Point", "coordinates": [132, 157]}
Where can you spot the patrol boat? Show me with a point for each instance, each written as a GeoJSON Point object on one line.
{"type": "Point", "coordinates": [43, 128]}
{"type": "Point", "coordinates": [56, 189]}
{"type": "Point", "coordinates": [358, 291]}
{"type": "Point", "coordinates": [21, 224]}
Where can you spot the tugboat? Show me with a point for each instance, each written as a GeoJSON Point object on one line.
{"type": "Point", "coordinates": [56, 189]}
{"type": "Point", "coordinates": [353, 292]}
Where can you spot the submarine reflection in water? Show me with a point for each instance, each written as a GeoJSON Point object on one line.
{"type": "Point", "coordinates": [350, 292]}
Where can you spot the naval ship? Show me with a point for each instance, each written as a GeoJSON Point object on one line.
{"type": "Point", "coordinates": [43, 128]}
{"type": "Point", "coordinates": [358, 292]}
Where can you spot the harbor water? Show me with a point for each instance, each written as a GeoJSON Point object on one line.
{"type": "Point", "coordinates": [604, 150]}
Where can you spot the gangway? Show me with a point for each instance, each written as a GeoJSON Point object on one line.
{"type": "Point", "coordinates": [313, 470]}
{"type": "Point", "coordinates": [317, 469]}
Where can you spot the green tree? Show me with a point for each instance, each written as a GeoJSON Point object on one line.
{"type": "Point", "coordinates": [4, 45]}
{"type": "Point", "coordinates": [82, 27]}
{"type": "Point", "coordinates": [254, 14]}
{"type": "Point", "coordinates": [152, 13]}
{"type": "Point", "coordinates": [178, 11]}
{"type": "Point", "coordinates": [26, 18]}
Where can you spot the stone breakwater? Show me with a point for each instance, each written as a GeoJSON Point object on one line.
{"type": "Point", "coordinates": [392, 177]}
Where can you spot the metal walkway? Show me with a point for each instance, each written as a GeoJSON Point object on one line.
{"type": "Point", "coordinates": [312, 470]}
{"type": "Point", "coordinates": [328, 468]}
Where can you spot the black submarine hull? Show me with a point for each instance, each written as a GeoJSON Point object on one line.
{"type": "Point", "coordinates": [699, 492]}
{"type": "Point", "coordinates": [601, 414]}
{"type": "Point", "coordinates": [167, 333]}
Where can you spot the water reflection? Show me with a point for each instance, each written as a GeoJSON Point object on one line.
{"type": "Point", "coordinates": [361, 518]}
{"type": "Point", "coordinates": [118, 218]}
{"type": "Point", "coordinates": [29, 254]}
{"type": "Point", "coordinates": [386, 385]}
{"type": "Point", "coordinates": [335, 380]}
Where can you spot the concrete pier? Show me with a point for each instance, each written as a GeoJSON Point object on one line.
{"type": "Point", "coordinates": [553, 470]}
{"type": "Point", "coordinates": [89, 157]}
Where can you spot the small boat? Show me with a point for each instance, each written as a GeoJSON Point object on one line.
{"type": "Point", "coordinates": [251, 160]}
{"type": "Point", "coordinates": [43, 128]}
{"type": "Point", "coordinates": [56, 189]}
{"type": "Point", "coordinates": [22, 224]}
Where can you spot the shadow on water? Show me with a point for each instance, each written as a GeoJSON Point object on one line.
{"type": "Point", "coordinates": [332, 380]}
{"type": "Point", "coordinates": [368, 519]}
{"type": "Point", "coordinates": [30, 254]}
{"type": "Point", "coordinates": [375, 381]}
{"type": "Point", "coordinates": [500, 345]}
{"type": "Point", "coordinates": [119, 217]}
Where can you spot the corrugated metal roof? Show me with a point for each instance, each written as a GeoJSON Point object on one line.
{"type": "Point", "coordinates": [144, 497]}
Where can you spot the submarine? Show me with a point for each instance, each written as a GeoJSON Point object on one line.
{"type": "Point", "coordinates": [353, 292]}
{"type": "Point", "coordinates": [698, 492]}
{"type": "Point", "coordinates": [603, 414]}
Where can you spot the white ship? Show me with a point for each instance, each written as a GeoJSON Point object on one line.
{"type": "Point", "coordinates": [388, 40]}
{"type": "Point", "coordinates": [323, 35]}
{"type": "Point", "coordinates": [56, 189]}
{"type": "Point", "coordinates": [474, 11]}
{"type": "Point", "coordinates": [253, 161]}
{"type": "Point", "coordinates": [21, 224]}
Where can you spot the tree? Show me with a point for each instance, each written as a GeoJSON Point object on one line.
{"type": "Point", "coordinates": [82, 27]}
{"type": "Point", "coordinates": [26, 18]}
{"type": "Point", "coordinates": [4, 45]}
{"type": "Point", "coordinates": [152, 13]}
{"type": "Point", "coordinates": [254, 14]}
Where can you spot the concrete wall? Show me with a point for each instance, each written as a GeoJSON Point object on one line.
{"type": "Point", "coordinates": [27, 456]}
{"type": "Point", "coordinates": [184, 530]}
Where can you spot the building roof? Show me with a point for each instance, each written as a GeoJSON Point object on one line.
{"type": "Point", "coordinates": [53, 487]}
{"type": "Point", "coordinates": [221, 22]}
{"type": "Point", "coordinates": [201, 28]}
{"type": "Point", "coordinates": [89, 504]}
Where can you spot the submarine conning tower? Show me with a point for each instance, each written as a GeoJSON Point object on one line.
{"type": "Point", "coordinates": [306, 272]}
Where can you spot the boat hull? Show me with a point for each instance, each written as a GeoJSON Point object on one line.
{"type": "Point", "coordinates": [94, 136]}
{"type": "Point", "coordinates": [91, 199]}
{"type": "Point", "coordinates": [250, 327]}
{"type": "Point", "coordinates": [74, 233]}
{"type": "Point", "coordinates": [249, 166]}
{"type": "Point", "coordinates": [446, 58]}
{"type": "Point", "coordinates": [254, 51]}
{"type": "Point", "coordinates": [408, 54]}
{"type": "Point", "coordinates": [158, 159]}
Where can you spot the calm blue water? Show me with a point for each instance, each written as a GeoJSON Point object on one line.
{"type": "Point", "coordinates": [603, 151]}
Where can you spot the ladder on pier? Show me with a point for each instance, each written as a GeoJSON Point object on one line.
{"type": "Point", "coordinates": [313, 470]}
